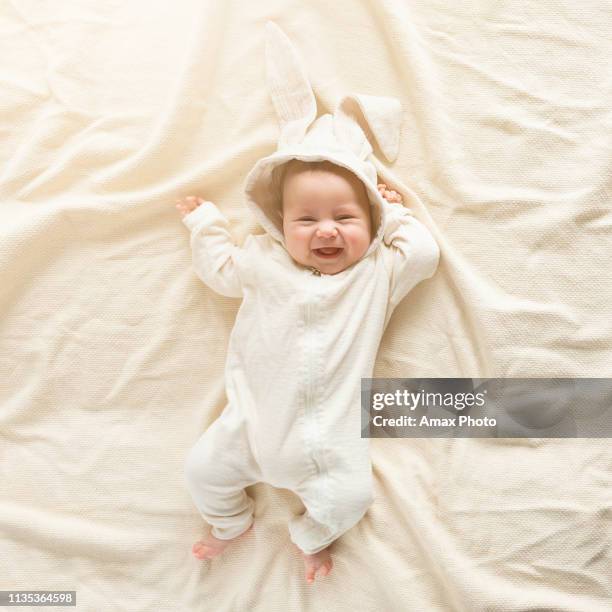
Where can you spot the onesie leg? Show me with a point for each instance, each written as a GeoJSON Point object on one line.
{"type": "Point", "coordinates": [309, 535]}
{"type": "Point", "coordinates": [333, 506]}
{"type": "Point", "coordinates": [217, 470]}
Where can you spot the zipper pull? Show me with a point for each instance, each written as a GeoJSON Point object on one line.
{"type": "Point", "coordinates": [315, 271]}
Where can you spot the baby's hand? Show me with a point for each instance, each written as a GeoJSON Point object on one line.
{"type": "Point", "coordinates": [389, 194]}
{"type": "Point", "coordinates": [188, 204]}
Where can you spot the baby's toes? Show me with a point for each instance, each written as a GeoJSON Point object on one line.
{"type": "Point", "coordinates": [205, 552]}
{"type": "Point", "coordinates": [198, 554]}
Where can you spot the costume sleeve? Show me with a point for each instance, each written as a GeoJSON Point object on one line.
{"type": "Point", "coordinates": [412, 253]}
{"type": "Point", "coordinates": [216, 259]}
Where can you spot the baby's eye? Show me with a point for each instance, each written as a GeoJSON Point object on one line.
{"type": "Point", "coordinates": [345, 217]}
{"type": "Point", "coordinates": [305, 219]}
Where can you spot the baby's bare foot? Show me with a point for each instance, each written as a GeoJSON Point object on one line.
{"type": "Point", "coordinates": [319, 562]}
{"type": "Point", "coordinates": [210, 547]}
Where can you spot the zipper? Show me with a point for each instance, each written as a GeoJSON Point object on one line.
{"type": "Point", "coordinates": [310, 392]}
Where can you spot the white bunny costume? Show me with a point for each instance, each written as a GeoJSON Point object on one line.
{"type": "Point", "coordinates": [302, 339]}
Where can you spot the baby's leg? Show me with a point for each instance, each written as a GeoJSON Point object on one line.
{"type": "Point", "coordinates": [325, 520]}
{"type": "Point", "coordinates": [217, 470]}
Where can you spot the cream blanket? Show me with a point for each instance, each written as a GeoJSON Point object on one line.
{"type": "Point", "coordinates": [112, 350]}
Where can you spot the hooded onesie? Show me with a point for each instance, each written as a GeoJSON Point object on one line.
{"type": "Point", "coordinates": [302, 339]}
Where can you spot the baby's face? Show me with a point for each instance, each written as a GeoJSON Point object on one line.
{"type": "Point", "coordinates": [326, 218]}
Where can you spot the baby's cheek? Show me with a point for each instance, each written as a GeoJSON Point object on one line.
{"type": "Point", "coordinates": [297, 241]}
{"type": "Point", "coordinates": [301, 235]}
{"type": "Point", "coordinates": [359, 235]}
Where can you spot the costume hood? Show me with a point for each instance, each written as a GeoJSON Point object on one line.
{"type": "Point", "coordinates": [337, 137]}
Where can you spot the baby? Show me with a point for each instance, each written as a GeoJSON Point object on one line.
{"type": "Point", "coordinates": [317, 296]}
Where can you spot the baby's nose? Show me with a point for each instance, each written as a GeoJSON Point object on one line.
{"type": "Point", "coordinates": [326, 230]}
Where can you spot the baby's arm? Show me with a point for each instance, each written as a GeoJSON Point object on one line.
{"type": "Point", "coordinates": [216, 259]}
{"type": "Point", "coordinates": [412, 253]}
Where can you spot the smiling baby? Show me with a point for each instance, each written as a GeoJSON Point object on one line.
{"type": "Point", "coordinates": [318, 288]}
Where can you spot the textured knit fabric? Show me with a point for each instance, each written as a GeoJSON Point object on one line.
{"type": "Point", "coordinates": [112, 351]}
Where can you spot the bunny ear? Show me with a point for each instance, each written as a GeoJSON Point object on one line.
{"type": "Point", "coordinates": [383, 116]}
{"type": "Point", "coordinates": [289, 87]}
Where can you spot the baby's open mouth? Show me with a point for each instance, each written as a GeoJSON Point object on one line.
{"type": "Point", "coordinates": [328, 252]}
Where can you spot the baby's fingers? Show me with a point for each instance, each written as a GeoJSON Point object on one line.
{"type": "Point", "coordinates": [389, 194]}
{"type": "Point", "coordinates": [188, 203]}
